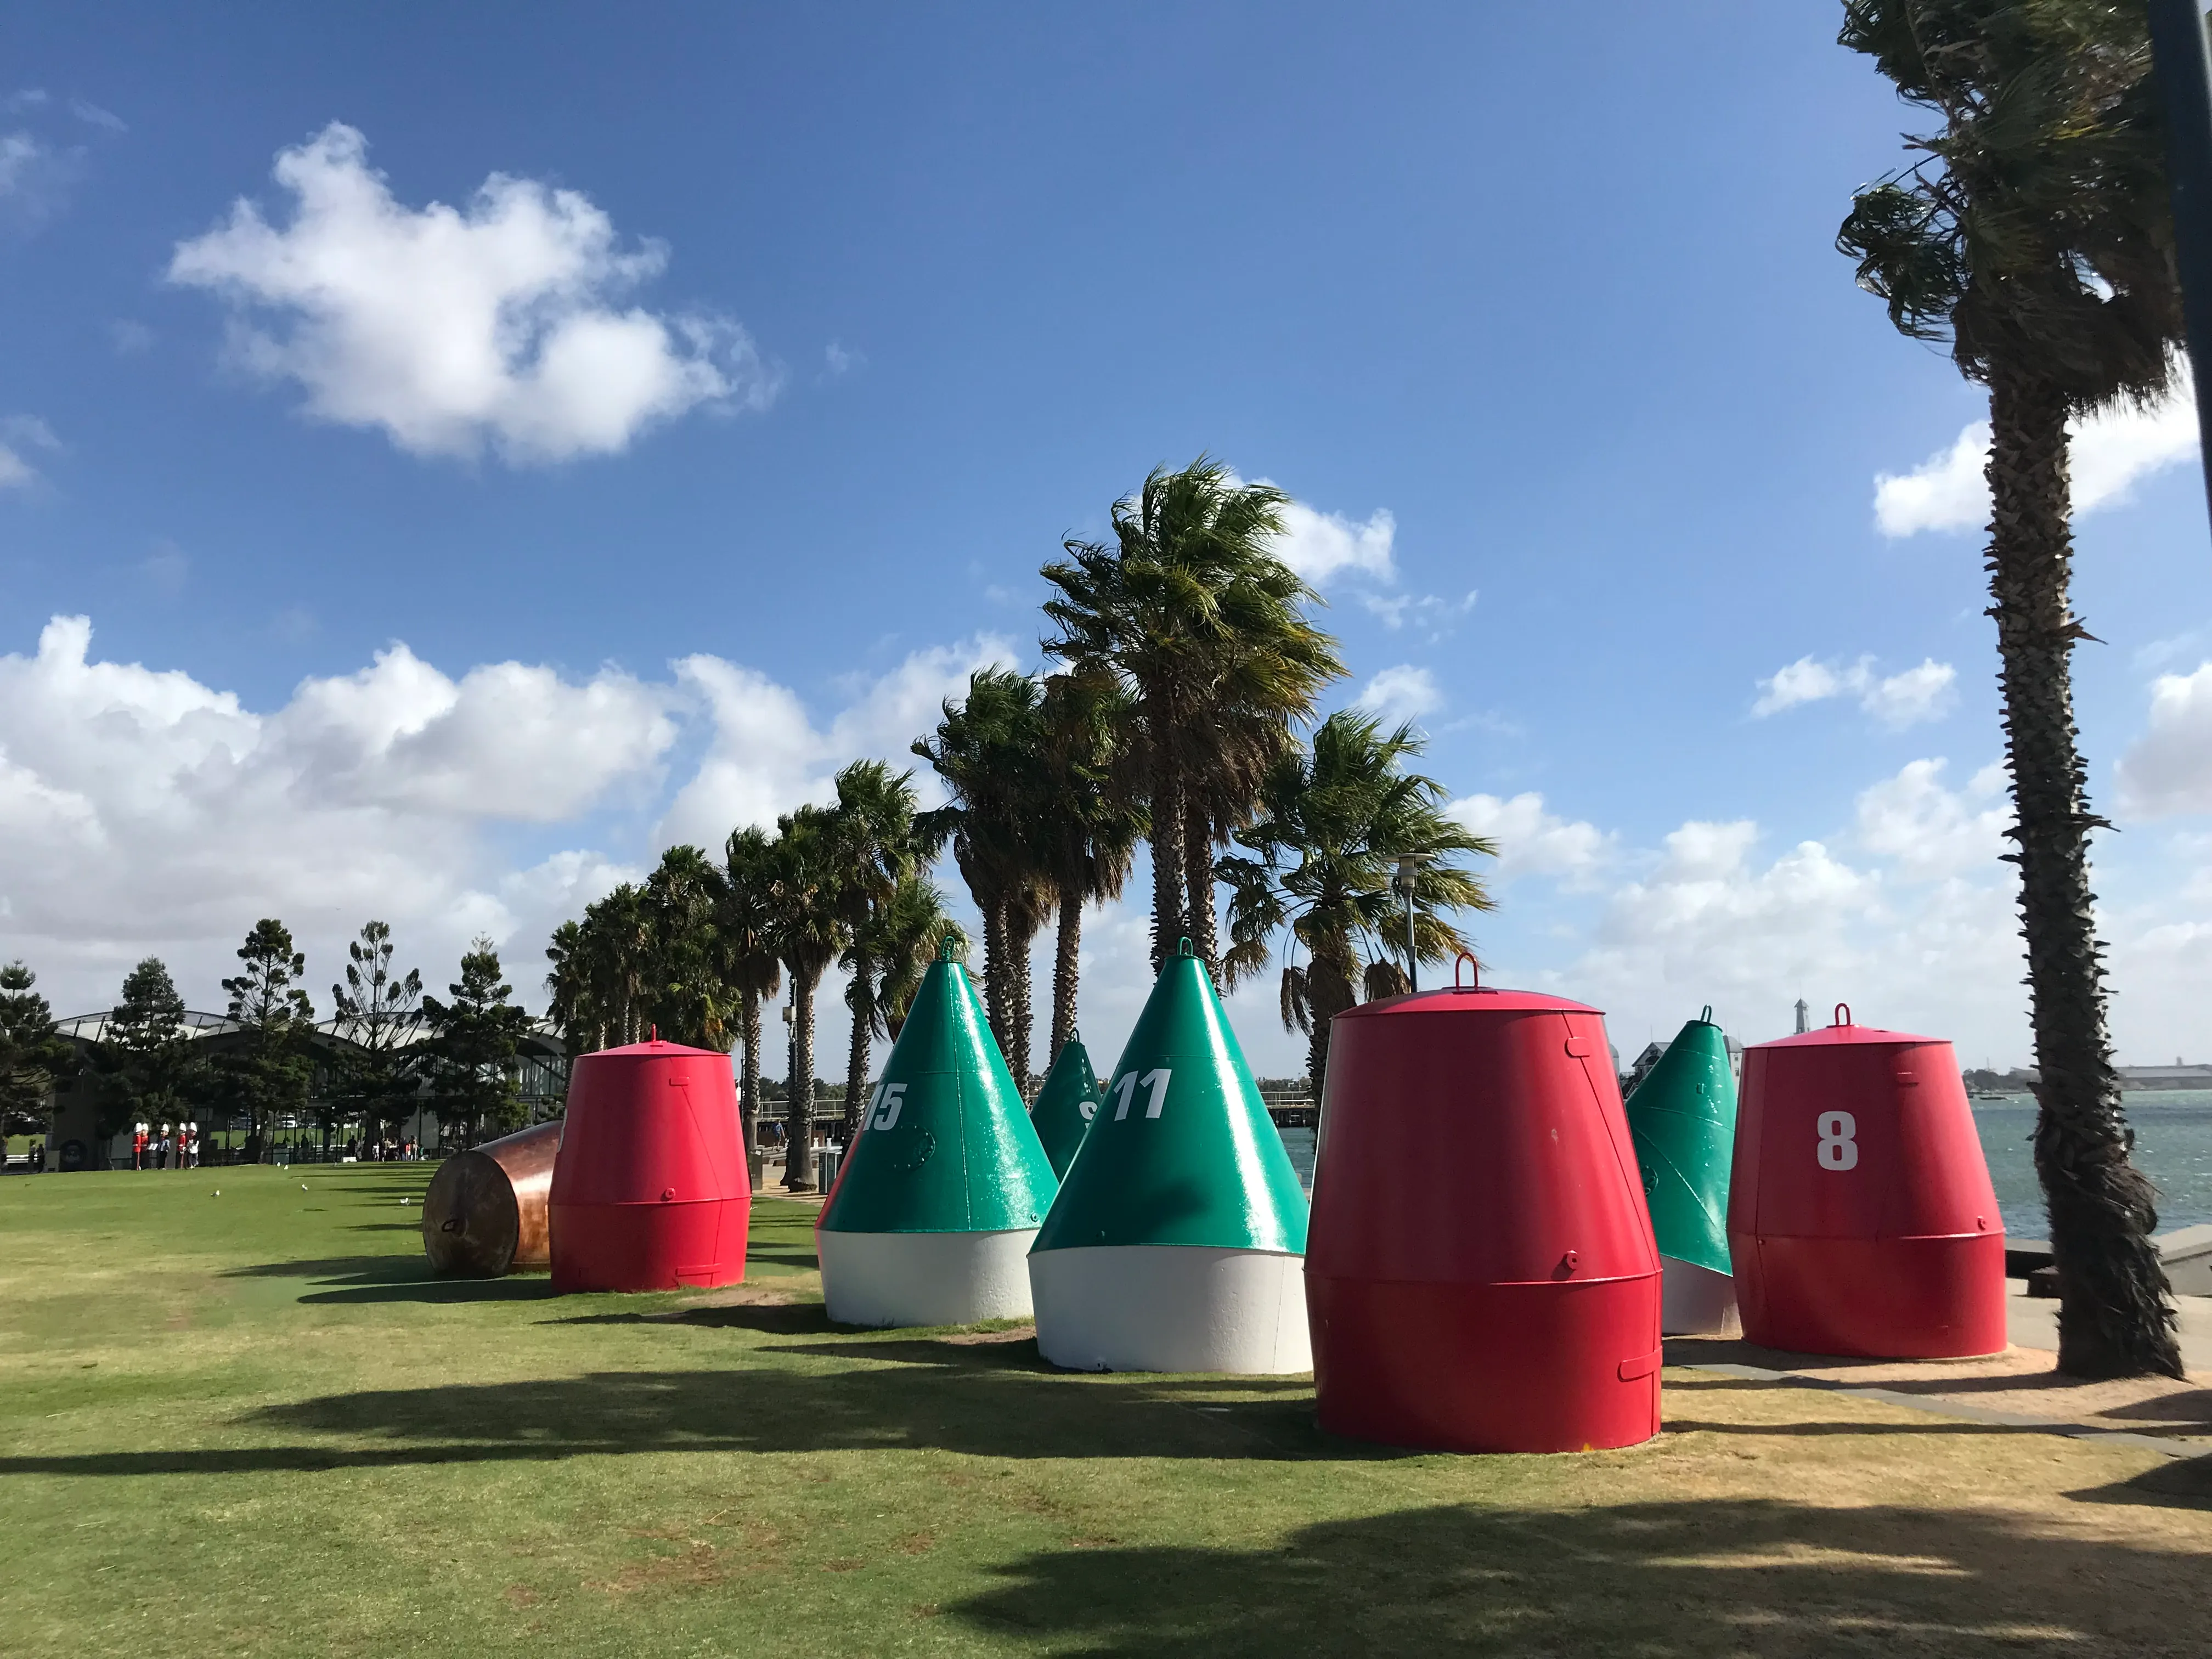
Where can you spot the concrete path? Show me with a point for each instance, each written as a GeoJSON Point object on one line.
{"type": "Point", "coordinates": [2032, 1322]}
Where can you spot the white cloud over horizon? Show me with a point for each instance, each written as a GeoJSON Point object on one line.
{"type": "Point", "coordinates": [2111, 451]}
{"type": "Point", "coordinates": [501, 324]}
{"type": "Point", "coordinates": [146, 811]}
{"type": "Point", "coordinates": [1907, 698]}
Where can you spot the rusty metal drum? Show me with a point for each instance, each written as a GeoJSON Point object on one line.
{"type": "Point", "coordinates": [485, 1211]}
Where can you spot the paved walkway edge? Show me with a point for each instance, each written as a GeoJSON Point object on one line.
{"type": "Point", "coordinates": [1948, 1408]}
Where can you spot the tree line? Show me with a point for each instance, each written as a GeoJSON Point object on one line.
{"type": "Point", "coordinates": [1184, 667]}
{"type": "Point", "coordinates": [403, 1050]}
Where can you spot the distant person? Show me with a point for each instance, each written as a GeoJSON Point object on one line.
{"type": "Point", "coordinates": [138, 1147]}
{"type": "Point", "coordinates": [38, 1158]}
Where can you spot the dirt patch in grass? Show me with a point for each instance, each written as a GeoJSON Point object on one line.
{"type": "Point", "coordinates": [986, 1335]}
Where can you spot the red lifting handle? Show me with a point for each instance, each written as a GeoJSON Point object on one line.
{"type": "Point", "coordinates": [1843, 1013]}
{"type": "Point", "coordinates": [1474, 984]}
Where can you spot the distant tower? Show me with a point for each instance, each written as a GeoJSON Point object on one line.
{"type": "Point", "coordinates": [1804, 1023]}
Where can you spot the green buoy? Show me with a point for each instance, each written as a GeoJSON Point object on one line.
{"type": "Point", "coordinates": [1683, 1118]}
{"type": "Point", "coordinates": [1065, 1104]}
{"type": "Point", "coordinates": [946, 1183]}
{"type": "Point", "coordinates": [1177, 1241]}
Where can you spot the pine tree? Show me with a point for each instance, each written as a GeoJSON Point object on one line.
{"type": "Point", "coordinates": [145, 1055]}
{"type": "Point", "coordinates": [269, 1072]}
{"type": "Point", "coordinates": [31, 1054]}
{"type": "Point", "coordinates": [471, 1050]}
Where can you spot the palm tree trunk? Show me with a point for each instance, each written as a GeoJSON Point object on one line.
{"type": "Point", "coordinates": [857, 1051]}
{"type": "Point", "coordinates": [1168, 903]}
{"type": "Point", "coordinates": [1329, 993]}
{"type": "Point", "coordinates": [749, 1037]}
{"type": "Point", "coordinates": [1021, 935]}
{"type": "Point", "coordinates": [1066, 968]}
{"type": "Point", "coordinates": [995, 970]}
{"type": "Point", "coordinates": [2113, 1316]}
{"type": "Point", "coordinates": [1198, 873]}
{"type": "Point", "coordinates": [798, 1156]}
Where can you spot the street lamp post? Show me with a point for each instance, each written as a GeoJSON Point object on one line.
{"type": "Point", "coordinates": [1409, 874]}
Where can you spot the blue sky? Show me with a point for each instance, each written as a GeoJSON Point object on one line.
{"type": "Point", "coordinates": [444, 565]}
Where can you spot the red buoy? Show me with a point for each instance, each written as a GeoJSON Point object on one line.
{"type": "Point", "coordinates": [1480, 1274]}
{"type": "Point", "coordinates": [650, 1190]}
{"type": "Point", "coordinates": [1861, 1217]}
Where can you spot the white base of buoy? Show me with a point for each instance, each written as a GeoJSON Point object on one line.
{"type": "Point", "coordinates": [925, 1278]}
{"type": "Point", "coordinates": [1696, 1301]}
{"type": "Point", "coordinates": [1171, 1307]}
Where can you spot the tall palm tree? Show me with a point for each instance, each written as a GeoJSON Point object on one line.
{"type": "Point", "coordinates": [746, 925]}
{"type": "Point", "coordinates": [988, 749]}
{"type": "Point", "coordinates": [1191, 611]}
{"type": "Point", "coordinates": [808, 930]}
{"type": "Point", "coordinates": [2035, 236]}
{"type": "Point", "coordinates": [686, 997]}
{"type": "Point", "coordinates": [881, 845]}
{"type": "Point", "coordinates": [1089, 820]}
{"type": "Point", "coordinates": [1331, 828]}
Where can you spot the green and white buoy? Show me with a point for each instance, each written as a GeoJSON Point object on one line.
{"type": "Point", "coordinates": [1683, 1118]}
{"type": "Point", "coordinates": [1178, 1243]}
{"type": "Point", "coordinates": [1065, 1104]}
{"type": "Point", "coordinates": [941, 1196]}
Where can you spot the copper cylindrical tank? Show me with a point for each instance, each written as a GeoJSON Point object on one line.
{"type": "Point", "coordinates": [485, 1213]}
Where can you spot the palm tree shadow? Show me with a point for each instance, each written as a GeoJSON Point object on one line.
{"type": "Point", "coordinates": [1725, 1576]}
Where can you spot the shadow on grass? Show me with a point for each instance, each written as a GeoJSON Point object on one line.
{"type": "Point", "coordinates": [940, 1396]}
{"type": "Point", "coordinates": [365, 1278]}
{"type": "Point", "coordinates": [1706, 1578]}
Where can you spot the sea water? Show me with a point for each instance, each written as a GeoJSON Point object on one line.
{"type": "Point", "coordinates": [2174, 1147]}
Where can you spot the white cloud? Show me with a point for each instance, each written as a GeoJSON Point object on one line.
{"type": "Point", "coordinates": [93, 116]}
{"type": "Point", "coordinates": [1925, 693]}
{"type": "Point", "coordinates": [1928, 831]}
{"type": "Point", "coordinates": [1402, 693]}
{"type": "Point", "coordinates": [766, 755]}
{"type": "Point", "coordinates": [20, 434]}
{"type": "Point", "coordinates": [1321, 546]}
{"type": "Point", "coordinates": [498, 323]}
{"type": "Point", "coordinates": [2168, 769]}
{"type": "Point", "coordinates": [1427, 611]}
{"type": "Point", "coordinates": [1532, 842]}
{"type": "Point", "coordinates": [145, 811]}
{"type": "Point", "coordinates": [2111, 451]}
{"type": "Point", "coordinates": [841, 359]}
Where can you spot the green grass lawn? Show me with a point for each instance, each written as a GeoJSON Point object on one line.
{"type": "Point", "coordinates": [251, 1423]}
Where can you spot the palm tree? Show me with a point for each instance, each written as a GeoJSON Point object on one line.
{"type": "Point", "coordinates": [808, 931]}
{"type": "Point", "coordinates": [881, 845]}
{"type": "Point", "coordinates": [1194, 615]}
{"type": "Point", "coordinates": [988, 752]}
{"type": "Point", "coordinates": [2035, 236]}
{"type": "Point", "coordinates": [1089, 819]}
{"type": "Point", "coordinates": [1331, 829]}
{"type": "Point", "coordinates": [905, 934]}
{"type": "Point", "coordinates": [746, 925]}
{"type": "Point", "coordinates": [686, 997]}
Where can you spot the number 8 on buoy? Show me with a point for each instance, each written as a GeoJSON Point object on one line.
{"type": "Point", "coordinates": [1839, 1147]}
